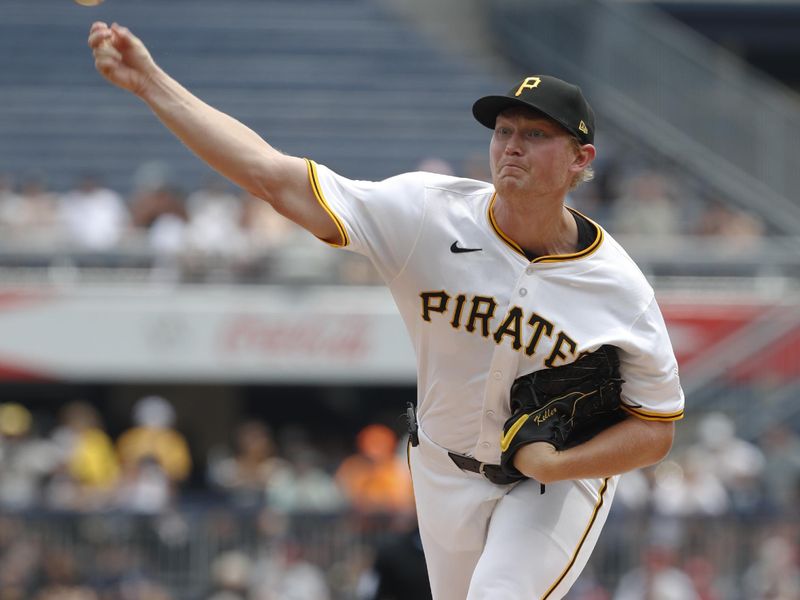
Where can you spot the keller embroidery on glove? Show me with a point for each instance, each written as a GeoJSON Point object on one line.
{"type": "Point", "coordinates": [539, 419]}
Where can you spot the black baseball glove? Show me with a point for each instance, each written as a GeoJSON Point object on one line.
{"type": "Point", "coordinates": [563, 406]}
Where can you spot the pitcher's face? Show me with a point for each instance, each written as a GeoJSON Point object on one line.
{"type": "Point", "coordinates": [532, 153]}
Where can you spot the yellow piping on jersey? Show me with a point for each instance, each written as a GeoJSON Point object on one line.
{"type": "Point", "coordinates": [499, 231]}
{"type": "Point", "coordinates": [550, 258]}
{"type": "Point", "coordinates": [581, 542]}
{"type": "Point", "coordinates": [590, 249]}
{"type": "Point", "coordinates": [653, 416]}
{"type": "Point", "coordinates": [317, 188]}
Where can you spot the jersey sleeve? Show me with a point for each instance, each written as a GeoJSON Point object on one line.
{"type": "Point", "coordinates": [651, 388]}
{"type": "Point", "coordinates": [380, 220]}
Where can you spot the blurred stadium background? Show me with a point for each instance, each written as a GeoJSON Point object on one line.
{"type": "Point", "coordinates": [199, 401]}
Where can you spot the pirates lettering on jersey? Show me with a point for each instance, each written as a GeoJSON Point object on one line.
{"type": "Point", "coordinates": [482, 310]}
{"type": "Point", "coordinates": [476, 315]}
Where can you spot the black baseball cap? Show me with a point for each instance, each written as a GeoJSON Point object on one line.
{"type": "Point", "coordinates": [559, 100]}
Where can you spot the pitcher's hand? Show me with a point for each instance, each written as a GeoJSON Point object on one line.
{"type": "Point", "coordinates": [121, 57]}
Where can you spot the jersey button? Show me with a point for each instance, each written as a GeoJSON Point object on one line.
{"type": "Point", "coordinates": [530, 270]}
{"type": "Point", "coordinates": [485, 444]}
{"type": "Point", "coordinates": [498, 375]}
{"type": "Point", "coordinates": [523, 292]}
{"type": "Point", "coordinates": [489, 413]}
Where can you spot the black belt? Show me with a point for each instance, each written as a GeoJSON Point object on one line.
{"type": "Point", "coordinates": [493, 473]}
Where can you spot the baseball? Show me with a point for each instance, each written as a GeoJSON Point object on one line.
{"type": "Point", "coordinates": [88, 2]}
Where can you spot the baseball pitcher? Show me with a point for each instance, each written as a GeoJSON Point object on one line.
{"type": "Point", "coordinates": [545, 369]}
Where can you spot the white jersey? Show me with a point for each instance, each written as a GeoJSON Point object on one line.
{"type": "Point", "coordinates": [480, 313]}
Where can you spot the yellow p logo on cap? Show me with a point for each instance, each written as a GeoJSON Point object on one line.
{"type": "Point", "coordinates": [530, 83]}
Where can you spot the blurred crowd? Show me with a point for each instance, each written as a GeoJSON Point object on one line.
{"type": "Point", "coordinates": [128, 498]}
{"type": "Point", "coordinates": [219, 232]}
{"type": "Point", "coordinates": [77, 466]}
{"type": "Point", "coordinates": [722, 517]}
{"type": "Point", "coordinates": [277, 517]}
{"type": "Point", "coordinates": [212, 233]}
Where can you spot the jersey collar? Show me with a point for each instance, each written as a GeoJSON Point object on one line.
{"type": "Point", "coordinates": [548, 258]}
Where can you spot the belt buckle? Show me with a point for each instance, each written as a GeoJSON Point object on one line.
{"type": "Point", "coordinates": [481, 471]}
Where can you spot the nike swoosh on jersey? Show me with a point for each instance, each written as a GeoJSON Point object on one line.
{"type": "Point", "coordinates": [456, 249]}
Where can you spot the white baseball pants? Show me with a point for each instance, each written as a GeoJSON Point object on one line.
{"type": "Point", "coordinates": [489, 542]}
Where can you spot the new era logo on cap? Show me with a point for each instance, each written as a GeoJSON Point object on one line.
{"type": "Point", "coordinates": [559, 100]}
